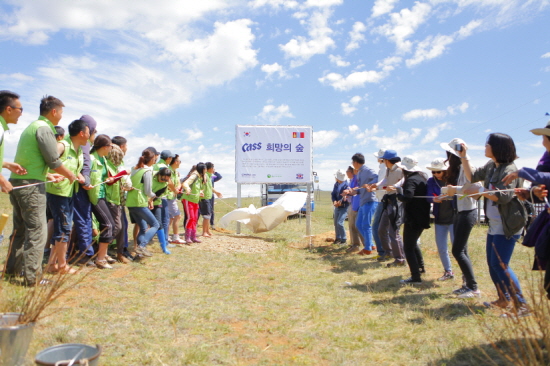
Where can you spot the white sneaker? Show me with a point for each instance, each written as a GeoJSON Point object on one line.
{"type": "Point", "coordinates": [467, 293]}
{"type": "Point", "coordinates": [178, 241]}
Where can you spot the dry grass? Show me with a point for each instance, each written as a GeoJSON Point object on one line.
{"type": "Point", "coordinates": [284, 306]}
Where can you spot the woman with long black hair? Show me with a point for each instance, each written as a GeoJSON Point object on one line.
{"type": "Point", "coordinates": [507, 216]}
{"type": "Point", "coordinates": [193, 187]}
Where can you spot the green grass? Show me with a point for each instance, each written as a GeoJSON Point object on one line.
{"type": "Point", "coordinates": [288, 306]}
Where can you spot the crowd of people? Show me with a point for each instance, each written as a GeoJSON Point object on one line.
{"type": "Point", "coordinates": [69, 191]}
{"type": "Point", "coordinates": [377, 204]}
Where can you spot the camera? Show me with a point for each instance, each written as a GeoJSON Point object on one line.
{"type": "Point", "coordinates": [458, 147]}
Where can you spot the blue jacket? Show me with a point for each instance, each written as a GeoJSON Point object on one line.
{"type": "Point", "coordinates": [336, 194]}
{"type": "Point", "coordinates": [434, 188]}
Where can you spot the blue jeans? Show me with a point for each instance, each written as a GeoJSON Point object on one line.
{"type": "Point", "coordinates": [364, 222]}
{"type": "Point", "coordinates": [375, 225]}
{"type": "Point", "coordinates": [148, 224]}
{"type": "Point", "coordinates": [82, 218]}
{"type": "Point", "coordinates": [499, 253]}
{"type": "Point", "coordinates": [441, 234]}
{"type": "Point", "coordinates": [340, 214]}
{"type": "Point", "coordinates": [165, 223]}
{"type": "Point", "coordinates": [62, 211]}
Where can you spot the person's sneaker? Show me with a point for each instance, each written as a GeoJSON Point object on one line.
{"type": "Point", "coordinates": [342, 242]}
{"type": "Point", "coordinates": [128, 255]}
{"type": "Point", "coordinates": [143, 251]}
{"type": "Point", "coordinates": [468, 293]}
{"type": "Point", "coordinates": [396, 263]}
{"type": "Point", "coordinates": [460, 290]}
{"type": "Point", "coordinates": [365, 252]}
{"type": "Point", "coordinates": [336, 241]}
{"type": "Point", "coordinates": [410, 281]}
{"type": "Point", "coordinates": [448, 275]}
{"type": "Point", "coordinates": [103, 264]}
{"type": "Point", "coordinates": [383, 258]}
{"type": "Point", "coordinates": [353, 248]}
{"type": "Point", "coordinates": [520, 312]}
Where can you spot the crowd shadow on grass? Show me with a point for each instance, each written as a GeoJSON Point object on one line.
{"type": "Point", "coordinates": [483, 354]}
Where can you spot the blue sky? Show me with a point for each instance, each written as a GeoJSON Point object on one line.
{"type": "Point", "coordinates": [366, 75]}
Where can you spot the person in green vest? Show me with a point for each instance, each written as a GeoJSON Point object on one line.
{"type": "Point", "coordinates": [205, 203]}
{"type": "Point", "coordinates": [115, 198]}
{"type": "Point", "coordinates": [60, 195]}
{"type": "Point", "coordinates": [36, 152]}
{"type": "Point", "coordinates": [159, 187]}
{"type": "Point", "coordinates": [100, 177]}
{"type": "Point", "coordinates": [194, 189]}
{"type": "Point", "coordinates": [166, 158]}
{"type": "Point", "coordinates": [173, 205]}
{"type": "Point", "coordinates": [10, 111]}
{"type": "Point", "coordinates": [140, 202]}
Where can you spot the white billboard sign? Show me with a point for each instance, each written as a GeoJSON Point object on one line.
{"type": "Point", "coordinates": [273, 154]}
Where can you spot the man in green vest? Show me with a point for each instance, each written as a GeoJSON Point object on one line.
{"type": "Point", "coordinates": [10, 111]}
{"type": "Point", "coordinates": [60, 195]}
{"type": "Point", "coordinates": [36, 152]}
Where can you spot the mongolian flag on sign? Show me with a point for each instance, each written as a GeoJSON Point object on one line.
{"type": "Point", "coordinates": [298, 135]}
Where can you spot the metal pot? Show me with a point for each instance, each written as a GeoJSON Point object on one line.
{"type": "Point", "coordinates": [14, 339]}
{"type": "Point", "coordinates": [63, 354]}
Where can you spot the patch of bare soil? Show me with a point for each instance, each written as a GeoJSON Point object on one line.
{"type": "Point", "coordinates": [224, 242]}
{"type": "Point", "coordinates": [320, 240]}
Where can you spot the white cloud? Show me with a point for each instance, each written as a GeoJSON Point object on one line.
{"type": "Point", "coordinates": [324, 138]}
{"type": "Point", "coordinates": [423, 113]}
{"type": "Point", "coordinates": [435, 113]}
{"type": "Point", "coordinates": [353, 80]}
{"type": "Point", "coordinates": [273, 114]}
{"type": "Point", "coordinates": [468, 29]}
{"type": "Point", "coordinates": [404, 24]}
{"type": "Point", "coordinates": [272, 69]}
{"type": "Point", "coordinates": [300, 49]}
{"type": "Point", "coordinates": [349, 108]}
{"type": "Point", "coordinates": [322, 3]}
{"type": "Point", "coordinates": [338, 61]}
{"type": "Point", "coordinates": [193, 134]}
{"type": "Point", "coordinates": [287, 4]}
{"type": "Point", "coordinates": [546, 55]}
{"type": "Point", "coordinates": [382, 7]}
{"type": "Point", "coordinates": [353, 129]}
{"type": "Point", "coordinates": [429, 48]}
{"type": "Point", "coordinates": [434, 131]}
{"type": "Point", "coordinates": [356, 36]}
{"type": "Point", "coordinates": [462, 108]}
{"type": "Point", "coordinates": [16, 77]}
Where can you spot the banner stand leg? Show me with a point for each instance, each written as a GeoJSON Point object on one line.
{"type": "Point", "coordinates": [308, 215]}
{"type": "Point", "coordinates": [238, 205]}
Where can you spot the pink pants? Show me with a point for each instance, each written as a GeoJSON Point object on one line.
{"type": "Point", "coordinates": [191, 213]}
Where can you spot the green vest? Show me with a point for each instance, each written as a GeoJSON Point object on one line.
{"type": "Point", "coordinates": [28, 153]}
{"type": "Point", "coordinates": [196, 188]}
{"type": "Point", "coordinates": [112, 192]}
{"type": "Point", "coordinates": [156, 186]}
{"type": "Point", "coordinates": [6, 128]}
{"type": "Point", "coordinates": [208, 187]}
{"type": "Point", "coordinates": [160, 164]}
{"type": "Point", "coordinates": [175, 177]}
{"type": "Point", "coordinates": [72, 160]}
{"type": "Point", "coordinates": [96, 171]}
{"type": "Point", "coordinates": [136, 197]}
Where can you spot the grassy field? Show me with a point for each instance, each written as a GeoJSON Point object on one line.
{"type": "Point", "coordinates": [286, 306]}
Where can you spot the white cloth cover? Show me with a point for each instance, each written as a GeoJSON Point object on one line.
{"type": "Point", "coordinates": [266, 218]}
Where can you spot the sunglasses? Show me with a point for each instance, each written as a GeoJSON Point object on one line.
{"type": "Point", "coordinates": [439, 172]}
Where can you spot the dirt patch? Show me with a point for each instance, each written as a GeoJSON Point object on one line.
{"type": "Point", "coordinates": [320, 240]}
{"type": "Point", "coordinates": [221, 242]}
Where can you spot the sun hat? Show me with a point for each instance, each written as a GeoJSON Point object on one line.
{"type": "Point", "coordinates": [450, 147]}
{"type": "Point", "coordinates": [542, 131]}
{"type": "Point", "coordinates": [340, 175]}
{"type": "Point", "coordinates": [410, 164]}
{"type": "Point", "coordinates": [437, 165]}
{"type": "Point", "coordinates": [389, 155]}
{"type": "Point", "coordinates": [379, 154]}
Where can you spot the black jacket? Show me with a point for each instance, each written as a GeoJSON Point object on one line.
{"type": "Point", "coordinates": [417, 210]}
